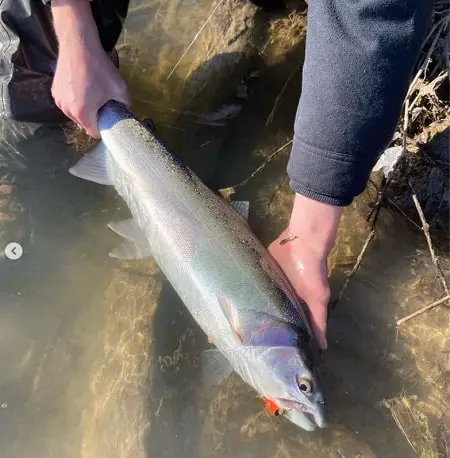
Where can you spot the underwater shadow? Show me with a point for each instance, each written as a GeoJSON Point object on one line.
{"type": "Point", "coordinates": [175, 403]}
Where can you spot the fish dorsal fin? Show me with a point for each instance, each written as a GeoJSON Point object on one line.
{"type": "Point", "coordinates": [241, 207]}
{"type": "Point", "coordinates": [215, 367]}
{"type": "Point", "coordinates": [93, 166]}
{"type": "Point", "coordinates": [136, 245]}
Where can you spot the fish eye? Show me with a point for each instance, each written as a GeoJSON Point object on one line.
{"type": "Point", "coordinates": [304, 385]}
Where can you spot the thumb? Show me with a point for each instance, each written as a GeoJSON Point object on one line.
{"type": "Point", "coordinates": [121, 94]}
{"type": "Point", "coordinates": [122, 98]}
{"type": "Point", "coordinates": [317, 297]}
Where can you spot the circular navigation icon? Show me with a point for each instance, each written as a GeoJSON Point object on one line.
{"type": "Point", "coordinates": [13, 251]}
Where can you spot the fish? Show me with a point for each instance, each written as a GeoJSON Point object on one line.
{"type": "Point", "coordinates": [225, 276]}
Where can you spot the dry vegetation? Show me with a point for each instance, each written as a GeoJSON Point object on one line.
{"type": "Point", "coordinates": [425, 117]}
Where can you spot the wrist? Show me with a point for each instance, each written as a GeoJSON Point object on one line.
{"type": "Point", "coordinates": [315, 222]}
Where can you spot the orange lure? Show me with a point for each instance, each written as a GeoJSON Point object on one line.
{"type": "Point", "coordinates": [272, 407]}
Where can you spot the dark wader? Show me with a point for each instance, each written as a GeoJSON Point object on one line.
{"type": "Point", "coordinates": [34, 182]}
{"type": "Point", "coordinates": [31, 137]}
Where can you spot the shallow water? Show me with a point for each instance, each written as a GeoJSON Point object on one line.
{"type": "Point", "coordinates": [100, 357]}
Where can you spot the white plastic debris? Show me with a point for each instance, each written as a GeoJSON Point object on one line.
{"type": "Point", "coordinates": [388, 160]}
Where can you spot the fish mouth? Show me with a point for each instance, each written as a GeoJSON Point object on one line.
{"type": "Point", "coordinates": [300, 415]}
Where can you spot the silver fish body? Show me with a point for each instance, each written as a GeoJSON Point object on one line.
{"type": "Point", "coordinates": [224, 275]}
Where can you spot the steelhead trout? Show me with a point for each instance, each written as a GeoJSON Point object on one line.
{"type": "Point", "coordinates": [224, 275]}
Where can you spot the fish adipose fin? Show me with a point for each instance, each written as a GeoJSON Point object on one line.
{"type": "Point", "coordinates": [92, 166]}
{"type": "Point", "coordinates": [135, 246]}
{"type": "Point", "coordinates": [215, 367]}
{"type": "Point", "coordinates": [241, 207]}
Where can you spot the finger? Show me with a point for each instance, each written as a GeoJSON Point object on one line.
{"type": "Point", "coordinates": [124, 98]}
{"type": "Point", "coordinates": [92, 128]}
{"type": "Point", "coordinates": [69, 115]}
{"type": "Point", "coordinates": [317, 301]}
{"type": "Point", "coordinates": [319, 324]}
{"type": "Point", "coordinates": [316, 298]}
{"type": "Point", "coordinates": [278, 250]}
{"type": "Point", "coordinates": [88, 119]}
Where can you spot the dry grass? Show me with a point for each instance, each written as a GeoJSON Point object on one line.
{"type": "Point", "coordinates": [408, 413]}
{"type": "Point", "coordinates": [423, 107]}
{"type": "Point", "coordinates": [284, 35]}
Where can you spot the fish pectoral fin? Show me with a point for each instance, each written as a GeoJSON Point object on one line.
{"type": "Point", "coordinates": [242, 207]}
{"type": "Point", "coordinates": [92, 166]}
{"type": "Point", "coordinates": [136, 245]}
{"type": "Point", "coordinates": [231, 315]}
{"type": "Point", "coordinates": [215, 367]}
{"type": "Point", "coordinates": [129, 229]}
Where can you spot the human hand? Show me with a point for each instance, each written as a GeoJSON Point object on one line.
{"type": "Point", "coordinates": [302, 249]}
{"type": "Point", "coordinates": [85, 77]}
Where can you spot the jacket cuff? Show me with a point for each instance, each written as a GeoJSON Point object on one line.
{"type": "Point", "coordinates": [328, 177]}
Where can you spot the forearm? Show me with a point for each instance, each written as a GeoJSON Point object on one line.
{"type": "Point", "coordinates": [74, 24]}
{"type": "Point", "coordinates": [359, 59]}
{"type": "Point", "coordinates": [85, 77]}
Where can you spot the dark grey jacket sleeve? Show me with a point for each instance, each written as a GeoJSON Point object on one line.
{"type": "Point", "coordinates": [359, 60]}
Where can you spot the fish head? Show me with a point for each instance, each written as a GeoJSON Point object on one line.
{"type": "Point", "coordinates": [289, 378]}
{"type": "Point", "coordinates": [295, 387]}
